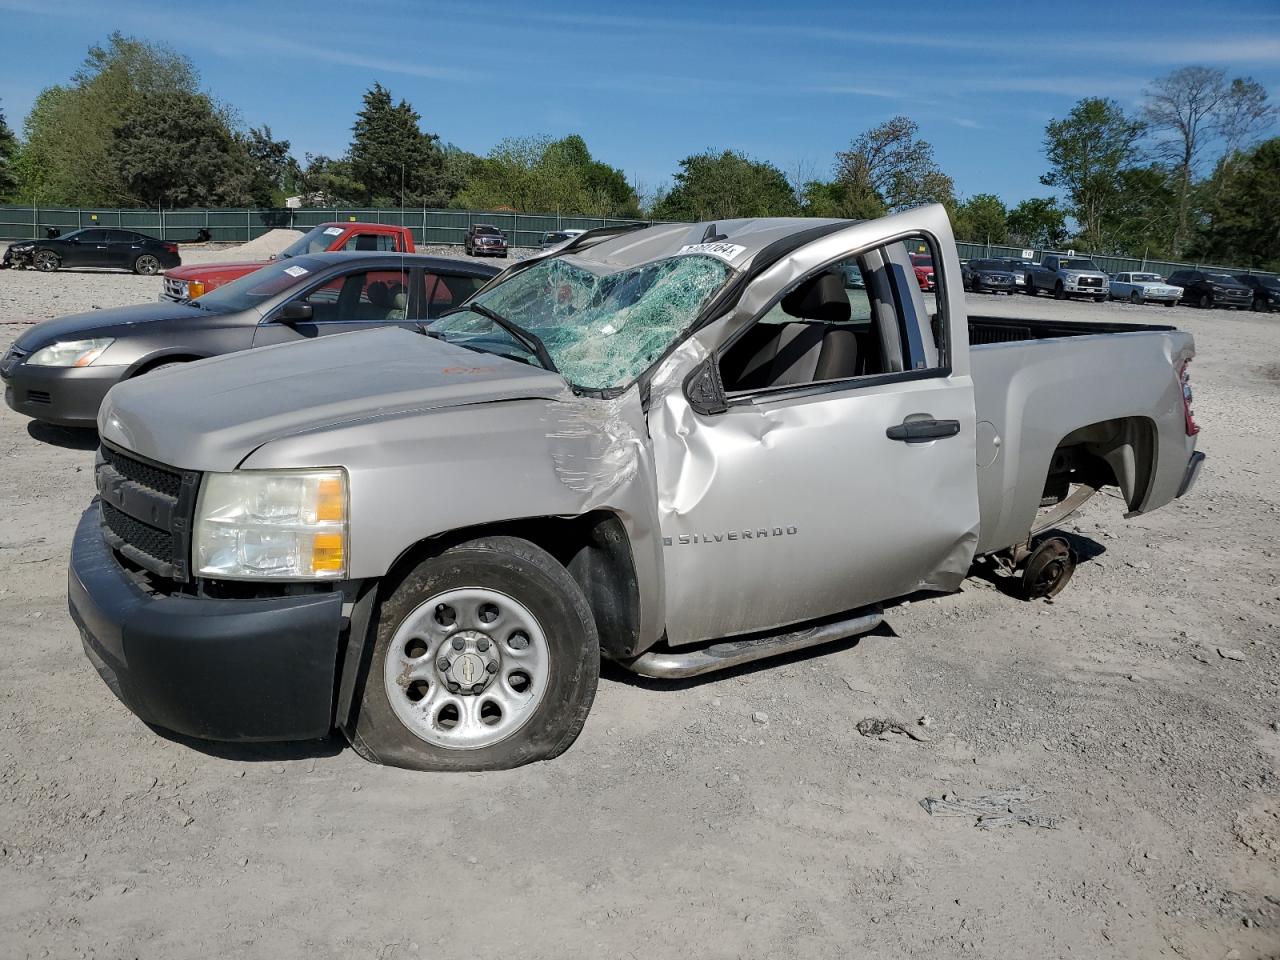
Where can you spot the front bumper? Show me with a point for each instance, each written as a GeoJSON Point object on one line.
{"type": "Point", "coordinates": [68, 396]}
{"type": "Point", "coordinates": [213, 669]}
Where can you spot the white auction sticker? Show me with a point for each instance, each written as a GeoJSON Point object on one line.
{"type": "Point", "coordinates": [725, 251]}
{"type": "Point", "coordinates": [295, 271]}
{"type": "Point", "coordinates": [333, 232]}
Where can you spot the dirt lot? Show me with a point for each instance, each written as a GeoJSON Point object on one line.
{"type": "Point", "coordinates": [740, 816]}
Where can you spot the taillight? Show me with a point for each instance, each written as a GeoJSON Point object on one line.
{"type": "Point", "coordinates": [1184, 376]}
{"type": "Point", "coordinates": [171, 247]}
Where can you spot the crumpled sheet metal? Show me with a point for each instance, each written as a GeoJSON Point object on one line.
{"type": "Point", "coordinates": [991, 810]}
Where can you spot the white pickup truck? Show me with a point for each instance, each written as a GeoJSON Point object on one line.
{"type": "Point", "coordinates": [679, 446]}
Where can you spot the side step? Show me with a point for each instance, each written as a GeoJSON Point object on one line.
{"type": "Point", "coordinates": [678, 664]}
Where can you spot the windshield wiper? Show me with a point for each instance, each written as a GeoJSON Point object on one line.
{"type": "Point", "coordinates": [530, 341]}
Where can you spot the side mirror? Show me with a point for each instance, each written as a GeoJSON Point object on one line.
{"type": "Point", "coordinates": [295, 312]}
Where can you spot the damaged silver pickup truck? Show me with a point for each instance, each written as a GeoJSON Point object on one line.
{"type": "Point", "coordinates": [681, 447]}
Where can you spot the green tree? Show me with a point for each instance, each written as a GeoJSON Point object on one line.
{"type": "Point", "coordinates": [1038, 222]}
{"type": "Point", "coordinates": [820, 198]}
{"type": "Point", "coordinates": [392, 158]}
{"type": "Point", "coordinates": [173, 149]}
{"type": "Point", "coordinates": [8, 161]}
{"type": "Point", "coordinates": [541, 175]}
{"type": "Point", "coordinates": [1242, 218]}
{"type": "Point", "coordinates": [982, 218]}
{"type": "Point", "coordinates": [70, 128]}
{"type": "Point", "coordinates": [326, 181]}
{"type": "Point", "coordinates": [272, 169]}
{"type": "Point", "coordinates": [892, 168]}
{"type": "Point", "coordinates": [1144, 214]}
{"type": "Point", "coordinates": [717, 186]}
{"type": "Point", "coordinates": [1086, 152]}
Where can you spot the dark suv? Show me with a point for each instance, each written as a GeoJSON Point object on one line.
{"type": "Point", "coordinates": [1266, 290]}
{"type": "Point", "coordinates": [484, 240]}
{"type": "Point", "coordinates": [1206, 289]}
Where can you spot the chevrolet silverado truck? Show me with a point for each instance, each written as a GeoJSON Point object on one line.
{"type": "Point", "coordinates": [1067, 277]}
{"type": "Point", "coordinates": [190, 282]}
{"type": "Point", "coordinates": [680, 447]}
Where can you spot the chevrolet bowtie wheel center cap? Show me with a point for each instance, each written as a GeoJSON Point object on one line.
{"type": "Point", "coordinates": [469, 662]}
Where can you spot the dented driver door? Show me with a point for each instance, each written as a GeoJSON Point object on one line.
{"type": "Point", "coordinates": [789, 508]}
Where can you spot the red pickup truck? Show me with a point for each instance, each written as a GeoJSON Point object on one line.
{"type": "Point", "coordinates": [187, 283]}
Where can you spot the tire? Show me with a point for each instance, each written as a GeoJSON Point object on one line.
{"type": "Point", "coordinates": [976, 287]}
{"type": "Point", "coordinates": [46, 261]}
{"type": "Point", "coordinates": [1031, 288]}
{"type": "Point", "coordinates": [1099, 299]}
{"type": "Point", "coordinates": [1135, 297]}
{"type": "Point", "coordinates": [1168, 303]}
{"type": "Point", "coordinates": [1058, 292]}
{"type": "Point", "coordinates": [1205, 301]}
{"type": "Point", "coordinates": [147, 265]}
{"type": "Point", "coordinates": [545, 647]}
{"type": "Point", "coordinates": [1258, 306]}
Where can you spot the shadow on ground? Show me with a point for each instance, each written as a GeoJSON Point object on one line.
{"type": "Point", "coordinates": [70, 438]}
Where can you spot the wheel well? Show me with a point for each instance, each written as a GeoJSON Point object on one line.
{"type": "Point", "coordinates": [594, 548]}
{"type": "Point", "coordinates": [148, 365]}
{"type": "Point", "coordinates": [1119, 453]}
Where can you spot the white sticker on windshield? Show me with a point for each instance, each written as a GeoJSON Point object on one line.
{"type": "Point", "coordinates": [725, 251]}
{"type": "Point", "coordinates": [295, 271]}
{"type": "Point", "coordinates": [333, 232]}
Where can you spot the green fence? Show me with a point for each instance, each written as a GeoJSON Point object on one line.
{"type": "Point", "coordinates": [242, 225]}
{"type": "Point", "coordinates": [428, 226]}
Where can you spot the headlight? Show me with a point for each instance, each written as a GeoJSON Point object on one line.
{"type": "Point", "coordinates": [272, 524]}
{"type": "Point", "coordinates": [70, 353]}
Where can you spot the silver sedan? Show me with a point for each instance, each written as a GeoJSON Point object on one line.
{"type": "Point", "coordinates": [1141, 287]}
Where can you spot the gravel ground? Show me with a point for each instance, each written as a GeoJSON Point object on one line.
{"type": "Point", "coordinates": [737, 816]}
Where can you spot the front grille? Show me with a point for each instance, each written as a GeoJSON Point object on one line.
{"type": "Point", "coordinates": [1090, 281]}
{"type": "Point", "coordinates": [155, 543]}
{"type": "Point", "coordinates": [177, 289]}
{"type": "Point", "coordinates": [147, 511]}
{"type": "Point", "coordinates": [168, 482]}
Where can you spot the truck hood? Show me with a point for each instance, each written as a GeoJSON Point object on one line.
{"type": "Point", "coordinates": [78, 326]}
{"type": "Point", "coordinates": [194, 271]}
{"type": "Point", "coordinates": [212, 414]}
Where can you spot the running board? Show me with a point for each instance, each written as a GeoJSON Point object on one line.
{"type": "Point", "coordinates": [678, 664]}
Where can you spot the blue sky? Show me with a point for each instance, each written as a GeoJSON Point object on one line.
{"type": "Point", "coordinates": [649, 83]}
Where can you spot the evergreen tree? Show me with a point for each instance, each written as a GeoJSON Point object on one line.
{"type": "Point", "coordinates": [392, 159]}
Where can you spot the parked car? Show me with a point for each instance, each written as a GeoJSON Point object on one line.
{"type": "Point", "coordinates": [198, 279]}
{"type": "Point", "coordinates": [1205, 289]}
{"type": "Point", "coordinates": [95, 247]}
{"type": "Point", "coordinates": [1066, 277]}
{"type": "Point", "coordinates": [1018, 267]}
{"type": "Point", "coordinates": [557, 237]}
{"type": "Point", "coordinates": [680, 454]}
{"type": "Point", "coordinates": [1266, 290]}
{"type": "Point", "coordinates": [922, 264]}
{"type": "Point", "coordinates": [58, 371]}
{"type": "Point", "coordinates": [484, 240]}
{"type": "Point", "coordinates": [1143, 287]}
{"type": "Point", "coordinates": [991, 276]}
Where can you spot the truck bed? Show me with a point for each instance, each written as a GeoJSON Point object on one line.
{"type": "Point", "coordinates": [1037, 381]}
{"type": "Point", "coordinates": [985, 330]}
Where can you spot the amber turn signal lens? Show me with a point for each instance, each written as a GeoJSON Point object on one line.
{"type": "Point", "coordinates": [329, 500]}
{"type": "Point", "coordinates": [195, 289]}
{"type": "Point", "coordinates": [327, 553]}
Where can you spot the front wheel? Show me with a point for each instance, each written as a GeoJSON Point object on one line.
{"type": "Point", "coordinates": [46, 261]}
{"type": "Point", "coordinates": [1168, 303]}
{"type": "Point", "coordinates": [1031, 288]}
{"type": "Point", "coordinates": [1059, 293]}
{"type": "Point", "coordinates": [1135, 297]}
{"type": "Point", "coordinates": [1205, 301]}
{"type": "Point", "coordinates": [147, 265]}
{"type": "Point", "coordinates": [485, 657]}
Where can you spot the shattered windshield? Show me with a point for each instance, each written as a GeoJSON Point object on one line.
{"type": "Point", "coordinates": [602, 328]}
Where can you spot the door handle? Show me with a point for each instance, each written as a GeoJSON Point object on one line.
{"type": "Point", "coordinates": [922, 431]}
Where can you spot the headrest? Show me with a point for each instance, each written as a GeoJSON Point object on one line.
{"type": "Point", "coordinates": [819, 298]}
{"type": "Point", "coordinates": [379, 295]}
